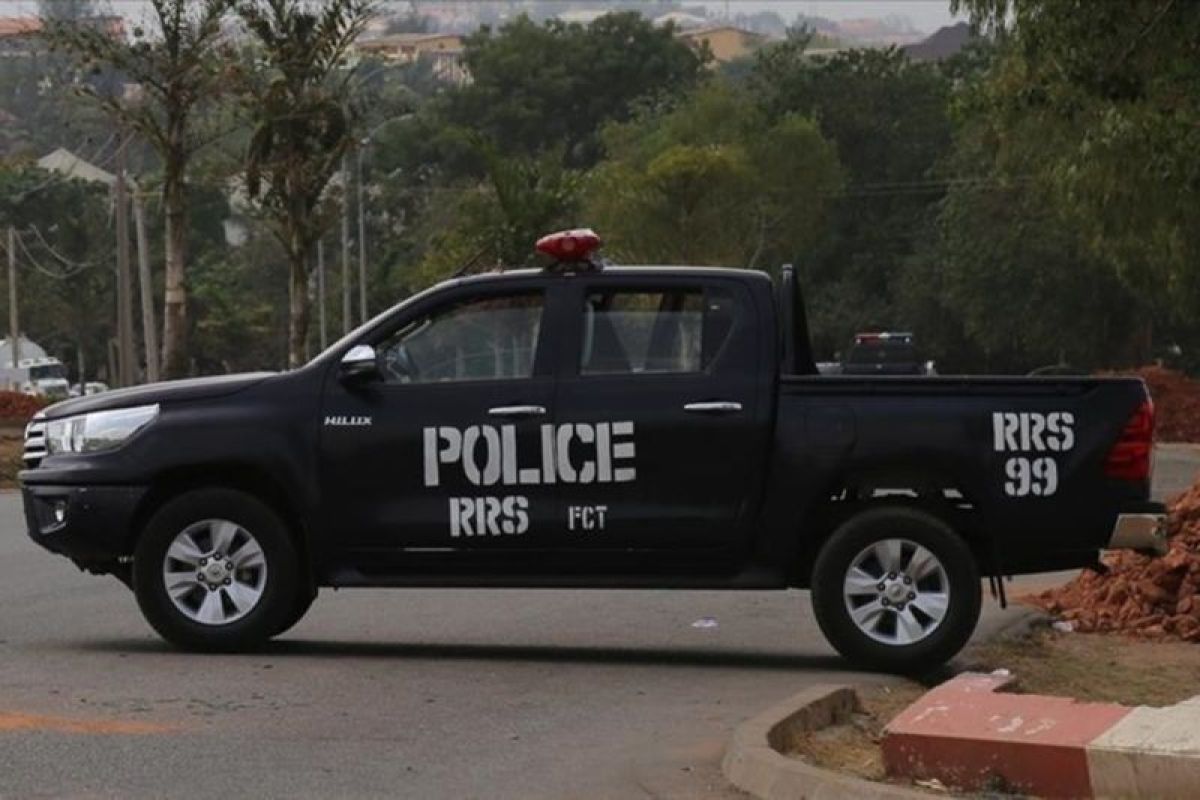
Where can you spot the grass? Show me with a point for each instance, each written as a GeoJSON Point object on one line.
{"type": "Point", "coordinates": [1096, 667]}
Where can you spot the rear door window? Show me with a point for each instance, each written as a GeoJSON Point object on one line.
{"type": "Point", "coordinates": [634, 331]}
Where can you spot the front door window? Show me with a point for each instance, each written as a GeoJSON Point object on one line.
{"type": "Point", "coordinates": [484, 339]}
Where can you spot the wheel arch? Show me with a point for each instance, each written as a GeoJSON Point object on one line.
{"type": "Point", "coordinates": [238, 476]}
{"type": "Point", "coordinates": [924, 488]}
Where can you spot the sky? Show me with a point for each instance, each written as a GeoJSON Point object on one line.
{"type": "Point", "coordinates": [926, 15]}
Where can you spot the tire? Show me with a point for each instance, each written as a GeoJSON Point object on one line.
{"type": "Point", "coordinates": [300, 606]}
{"type": "Point", "coordinates": [930, 601]}
{"type": "Point", "coordinates": [198, 602]}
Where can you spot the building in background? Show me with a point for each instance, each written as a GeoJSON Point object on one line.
{"type": "Point", "coordinates": [442, 51]}
{"type": "Point", "coordinates": [21, 36]}
{"type": "Point", "coordinates": [725, 42]}
{"type": "Point", "coordinates": [18, 35]}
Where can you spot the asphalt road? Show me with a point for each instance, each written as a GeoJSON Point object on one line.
{"type": "Point", "coordinates": [422, 694]}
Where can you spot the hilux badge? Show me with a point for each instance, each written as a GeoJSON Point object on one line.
{"type": "Point", "coordinates": [347, 422]}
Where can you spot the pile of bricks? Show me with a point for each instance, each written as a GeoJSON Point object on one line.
{"type": "Point", "coordinates": [1143, 596]}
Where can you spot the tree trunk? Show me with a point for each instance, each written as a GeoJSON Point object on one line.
{"type": "Point", "coordinates": [298, 312]}
{"type": "Point", "coordinates": [149, 327]}
{"type": "Point", "coordinates": [175, 356]}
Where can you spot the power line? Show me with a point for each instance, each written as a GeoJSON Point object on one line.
{"type": "Point", "coordinates": [37, 265]}
{"type": "Point", "coordinates": [78, 266]}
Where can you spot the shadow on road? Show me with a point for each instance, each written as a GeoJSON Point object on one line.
{"type": "Point", "coordinates": [663, 657]}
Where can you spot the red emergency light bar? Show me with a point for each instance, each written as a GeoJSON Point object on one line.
{"type": "Point", "coordinates": [885, 336]}
{"type": "Point", "coordinates": [574, 246]}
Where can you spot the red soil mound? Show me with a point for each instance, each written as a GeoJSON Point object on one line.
{"type": "Point", "coordinates": [1143, 596]}
{"type": "Point", "coordinates": [1176, 404]}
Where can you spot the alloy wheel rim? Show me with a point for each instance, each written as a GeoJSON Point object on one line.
{"type": "Point", "coordinates": [215, 572]}
{"type": "Point", "coordinates": [896, 591]}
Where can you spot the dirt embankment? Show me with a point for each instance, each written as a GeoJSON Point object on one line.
{"type": "Point", "coordinates": [1176, 404]}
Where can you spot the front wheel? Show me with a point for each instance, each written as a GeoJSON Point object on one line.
{"type": "Point", "coordinates": [896, 589]}
{"type": "Point", "coordinates": [215, 569]}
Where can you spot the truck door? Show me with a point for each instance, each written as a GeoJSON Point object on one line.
{"type": "Point", "coordinates": [662, 431]}
{"type": "Point", "coordinates": [440, 455]}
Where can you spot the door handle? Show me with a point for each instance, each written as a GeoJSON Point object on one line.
{"type": "Point", "coordinates": [517, 411]}
{"type": "Point", "coordinates": [714, 407]}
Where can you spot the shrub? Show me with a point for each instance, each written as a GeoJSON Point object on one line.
{"type": "Point", "coordinates": [16, 407]}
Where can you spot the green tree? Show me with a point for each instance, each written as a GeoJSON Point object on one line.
{"type": "Point", "coordinates": [178, 69]}
{"type": "Point", "coordinates": [303, 125]}
{"type": "Point", "coordinates": [888, 119]}
{"type": "Point", "coordinates": [712, 181]}
{"type": "Point", "coordinates": [67, 9]}
{"type": "Point", "coordinates": [497, 221]}
{"type": "Point", "coordinates": [553, 85]}
{"type": "Point", "coordinates": [65, 252]}
{"type": "Point", "coordinates": [1119, 84]}
{"type": "Point", "coordinates": [1004, 284]}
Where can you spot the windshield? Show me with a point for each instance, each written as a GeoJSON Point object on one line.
{"type": "Point", "coordinates": [882, 354]}
{"type": "Point", "coordinates": [44, 371]}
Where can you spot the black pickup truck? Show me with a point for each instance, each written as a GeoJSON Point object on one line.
{"type": "Point", "coordinates": [591, 426]}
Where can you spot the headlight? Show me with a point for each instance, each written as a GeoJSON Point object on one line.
{"type": "Point", "coordinates": [101, 430]}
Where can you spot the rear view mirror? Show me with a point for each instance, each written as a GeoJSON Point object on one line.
{"type": "Point", "coordinates": [359, 363]}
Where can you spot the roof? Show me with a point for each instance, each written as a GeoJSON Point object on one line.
{"type": "Point", "coordinates": [696, 33]}
{"type": "Point", "coordinates": [944, 43]}
{"type": "Point", "coordinates": [19, 26]}
{"type": "Point", "coordinates": [66, 163]}
{"type": "Point", "coordinates": [640, 271]}
{"type": "Point", "coordinates": [408, 38]}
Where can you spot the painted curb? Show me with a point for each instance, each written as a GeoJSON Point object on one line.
{"type": "Point", "coordinates": [969, 735]}
{"type": "Point", "coordinates": [754, 763]}
{"type": "Point", "coordinates": [1152, 752]}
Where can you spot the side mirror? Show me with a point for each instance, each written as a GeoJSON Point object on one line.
{"type": "Point", "coordinates": [360, 363]}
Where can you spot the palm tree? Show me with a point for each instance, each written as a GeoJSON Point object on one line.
{"type": "Point", "coordinates": [299, 99]}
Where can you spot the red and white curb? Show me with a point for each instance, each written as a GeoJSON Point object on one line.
{"type": "Point", "coordinates": [967, 735]}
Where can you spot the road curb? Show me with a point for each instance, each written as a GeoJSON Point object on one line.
{"type": "Point", "coordinates": [969, 735]}
{"type": "Point", "coordinates": [754, 762]}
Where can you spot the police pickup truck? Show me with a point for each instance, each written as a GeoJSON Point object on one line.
{"type": "Point", "coordinates": [592, 426]}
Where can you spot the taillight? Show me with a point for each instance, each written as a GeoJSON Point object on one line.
{"type": "Point", "coordinates": [1129, 459]}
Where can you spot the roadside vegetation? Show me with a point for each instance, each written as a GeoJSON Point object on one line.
{"type": "Point", "coordinates": [1029, 201]}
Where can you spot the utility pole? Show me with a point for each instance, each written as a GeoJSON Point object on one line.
{"type": "Point", "coordinates": [346, 302]}
{"type": "Point", "coordinates": [14, 325]}
{"type": "Point", "coordinates": [125, 354]}
{"type": "Point", "coordinates": [362, 238]}
{"type": "Point", "coordinates": [149, 332]}
{"type": "Point", "coordinates": [321, 293]}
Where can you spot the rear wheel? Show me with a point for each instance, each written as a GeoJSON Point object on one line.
{"type": "Point", "coordinates": [896, 589]}
{"type": "Point", "coordinates": [215, 569]}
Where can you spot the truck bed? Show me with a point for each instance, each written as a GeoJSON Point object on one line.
{"type": "Point", "coordinates": [1022, 460]}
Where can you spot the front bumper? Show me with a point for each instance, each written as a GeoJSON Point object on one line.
{"type": "Point", "coordinates": [1144, 532]}
{"type": "Point", "coordinates": [91, 525]}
